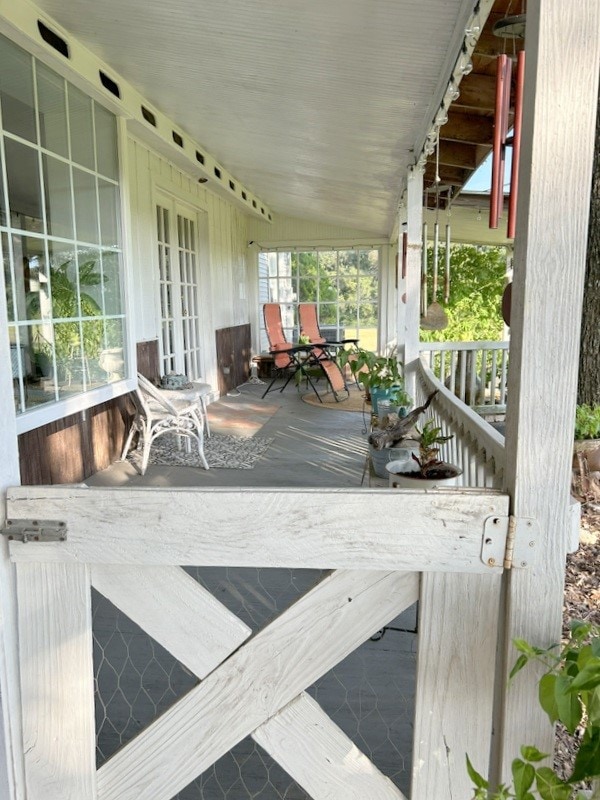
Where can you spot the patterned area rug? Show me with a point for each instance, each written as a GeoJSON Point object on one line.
{"type": "Point", "coordinates": [222, 452]}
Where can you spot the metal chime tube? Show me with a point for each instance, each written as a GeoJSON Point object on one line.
{"type": "Point", "coordinates": [514, 172]}
{"type": "Point", "coordinates": [436, 247]}
{"type": "Point", "coordinates": [424, 272]}
{"type": "Point", "coordinates": [497, 178]}
{"type": "Point", "coordinates": [447, 270]}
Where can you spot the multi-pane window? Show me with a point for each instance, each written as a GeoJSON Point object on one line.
{"type": "Point", "coordinates": [343, 283]}
{"type": "Point", "coordinates": [59, 234]}
{"type": "Point", "coordinates": [178, 279]}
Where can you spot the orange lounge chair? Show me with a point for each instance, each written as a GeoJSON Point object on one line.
{"type": "Point", "coordinates": [295, 359]}
{"type": "Point", "coordinates": [309, 326]}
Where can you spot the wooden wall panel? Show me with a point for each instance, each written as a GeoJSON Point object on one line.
{"type": "Point", "coordinates": [233, 356]}
{"type": "Point", "coordinates": [71, 449]}
{"type": "Point", "coordinates": [148, 361]}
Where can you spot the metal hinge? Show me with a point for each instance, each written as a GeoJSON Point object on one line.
{"type": "Point", "coordinates": [509, 542]}
{"type": "Point", "coordinates": [34, 530]}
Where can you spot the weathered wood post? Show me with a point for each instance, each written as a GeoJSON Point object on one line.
{"type": "Point", "coordinates": [408, 332]}
{"type": "Point", "coordinates": [563, 60]}
{"type": "Point", "coordinates": [12, 784]}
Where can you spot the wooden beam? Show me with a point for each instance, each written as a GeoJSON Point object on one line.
{"type": "Point", "coordinates": [477, 91]}
{"type": "Point", "coordinates": [560, 103]}
{"type": "Point", "coordinates": [320, 757]}
{"type": "Point", "coordinates": [456, 154]}
{"type": "Point", "coordinates": [57, 681]}
{"type": "Point", "coordinates": [255, 683]}
{"type": "Point", "coordinates": [414, 249]}
{"type": "Point", "coordinates": [167, 604]}
{"type": "Point", "coordinates": [468, 128]}
{"type": "Point", "coordinates": [311, 528]}
{"type": "Point", "coordinates": [451, 176]}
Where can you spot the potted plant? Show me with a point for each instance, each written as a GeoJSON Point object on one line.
{"type": "Point", "coordinates": [426, 469]}
{"type": "Point", "coordinates": [378, 375]}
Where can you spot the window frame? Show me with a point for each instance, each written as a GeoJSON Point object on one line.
{"type": "Point", "coordinates": [79, 402]}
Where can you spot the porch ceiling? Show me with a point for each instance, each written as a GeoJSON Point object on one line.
{"type": "Point", "coordinates": [315, 106]}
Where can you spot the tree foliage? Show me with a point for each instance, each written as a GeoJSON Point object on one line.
{"type": "Point", "coordinates": [477, 281]}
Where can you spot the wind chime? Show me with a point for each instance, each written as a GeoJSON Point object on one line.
{"type": "Point", "coordinates": [433, 317]}
{"type": "Point", "coordinates": [508, 28]}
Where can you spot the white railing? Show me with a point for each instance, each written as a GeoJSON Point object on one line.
{"type": "Point", "coordinates": [475, 372]}
{"type": "Point", "coordinates": [475, 447]}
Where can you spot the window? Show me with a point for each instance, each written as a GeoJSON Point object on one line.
{"type": "Point", "coordinates": [178, 276]}
{"type": "Point", "coordinates": [59, 236]}
{"type": "Point", "coordinates": [343, 283]}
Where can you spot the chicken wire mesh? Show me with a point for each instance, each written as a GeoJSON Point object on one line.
{"type": "Point", "coordinates": [369, 695]}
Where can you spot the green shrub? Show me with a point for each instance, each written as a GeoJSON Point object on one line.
{"type": "Point", "coordinates": [587, 422]}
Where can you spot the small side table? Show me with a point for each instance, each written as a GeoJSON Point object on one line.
{"type": "Point", "coordinates": [197, 392]}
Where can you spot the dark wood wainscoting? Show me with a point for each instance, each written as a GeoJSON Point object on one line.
{"type": "Point", "coordinates": [233, 356]}
{"type": "Point", "coordinates": [71, 449]}
{"type": "Point", "coordinates": [74, 447]}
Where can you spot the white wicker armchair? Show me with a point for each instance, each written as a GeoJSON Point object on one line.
{"type": "Point", "coordinates": [156, 415]}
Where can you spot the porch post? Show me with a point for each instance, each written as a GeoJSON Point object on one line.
{"type": "Point", "coordinates": [563, 60]}
{"type": "Point", "coordinates": [12, 783]}
{"type": "Point", "coordinates": [412, 283]}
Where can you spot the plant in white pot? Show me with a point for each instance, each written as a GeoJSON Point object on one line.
{"type": "Point", "coordinates": [426, 469]}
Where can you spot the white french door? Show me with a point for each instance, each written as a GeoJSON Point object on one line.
{"type": "Point", "coordinates": [177, 239]}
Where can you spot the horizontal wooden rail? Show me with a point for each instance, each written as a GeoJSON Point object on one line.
{"type": "Point", "coordinates": [387, 529]}
{"type": "Point", "coordinates": [475, 447]}
{"type": "Point", "coordinates": [476, 372]}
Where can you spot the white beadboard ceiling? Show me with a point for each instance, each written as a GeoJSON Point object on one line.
{"type": "Point", "coordinates": [315, 105]}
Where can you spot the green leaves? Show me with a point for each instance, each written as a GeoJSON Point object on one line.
{"type": "Point", "coordinates": [569, 692]}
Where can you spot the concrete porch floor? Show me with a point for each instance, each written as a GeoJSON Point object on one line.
{"type": "Point", "coordinates": [369, 695]}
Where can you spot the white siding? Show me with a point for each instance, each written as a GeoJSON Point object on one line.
{"type": "Point", "coordinates": [227, 289]}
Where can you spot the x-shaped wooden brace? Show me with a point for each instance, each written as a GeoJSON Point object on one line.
{"type": "Point", "coordinates": [256, 688]}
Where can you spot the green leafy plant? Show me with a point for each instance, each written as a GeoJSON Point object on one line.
{"type": "Point", "coordinates": [429, 440]}
{"type": "Point", "coordinates": [569, 692]}
{"type": "Point", "coordinates": [587, 422]}
{"type": "Point", "coordinates": [400, 397]}
{"type": "Point", "coordinates": [371, 370]}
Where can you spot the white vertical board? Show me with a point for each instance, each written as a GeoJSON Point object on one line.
{"type": "Point", "coordinates": [413, 276]}
{"type": "Point", "coordinates": [560, 104]}
{"type": "Point", "coordinates": [11, 752]}
{"type": "Point", "coordinates": [455, 682]}
{"type": "Point", "coordinates": [57, 681]}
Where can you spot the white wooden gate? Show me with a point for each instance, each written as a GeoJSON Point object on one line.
{"type": "Point", "coordinates": [130, 544]}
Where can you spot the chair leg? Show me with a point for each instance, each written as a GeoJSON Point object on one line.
{"type": "Point", "coordinates": [132, 431]}
{"type": "Point", "coordinates": [146, 453]}
{"type": "Point", "coordinates": [204, 408]}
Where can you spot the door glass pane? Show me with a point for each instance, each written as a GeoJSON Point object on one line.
{"type": "Point", "coordinates": [24, 195]}
{"type": "Point", "coordinates": [16, 90]}
{"type": "Point", "coordinates": [63, 281]}
{"type": "Point", "coordinates": [108, 198]}
{"type": "Point", "coordinates": [3, 208]}
{"type": "Point", "coordinates": [52, 111]}
{"type": "Point", "coordinates": [111, 272]}
{"type": "Point", "coordinates": [86, 212]}
{"type": "Point", "coordinates": [106, 142]}
{"type": "Point", "coordinates": [8, 285]}
{"type": "Point", "coordinates": [57, 191]}
{"type": "Point", "coordinates": [81, 128]}
{"type": "Point", "coordinates": [41, 386]}
{"type": "Point", "coordinates": [31, 278]}
{"type": "Point", "coordinates": [90, 281]}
